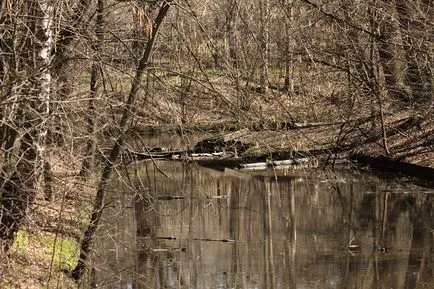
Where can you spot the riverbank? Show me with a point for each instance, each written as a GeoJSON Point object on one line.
{"type": "Point", "coordinates": [406, 145]}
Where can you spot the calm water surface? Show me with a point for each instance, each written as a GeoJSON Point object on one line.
{"type": "Point", "coordinates": [198, 227]}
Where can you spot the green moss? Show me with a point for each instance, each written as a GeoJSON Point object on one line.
{"type": "Point", "coordinates": [21, 242]}
{"type": "Point", "coordinates": [66, 250]}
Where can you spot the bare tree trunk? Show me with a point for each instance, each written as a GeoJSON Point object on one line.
{"type": "Point", "coordinates": [9, 114]}
{"type": "Point", "coordinates": [88, 161]}
{"type": "Point", "coordinates": [378, 82]}
{"type": "Point", "coordinates": [231, 31]}
{"type": "Point", "coordinates": [387, 54]}
{"type": "Point", "coordinates": [67, 34]}
{"type": "Point", "coordinates": [123, 127]}
{"type": "Point", "coordinates": [416, 45]}
{"type": "Point", "coordinates": [289, 18]}
{"type": "Point", "coordinates": [45, 80]}
{"type": "Point", "coordinates": [264, 42]}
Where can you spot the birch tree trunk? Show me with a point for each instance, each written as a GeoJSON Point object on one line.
{"type": "Point", "coordinates": [45, 80]}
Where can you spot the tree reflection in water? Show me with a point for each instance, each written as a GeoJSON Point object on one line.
{"type": "Point", "coordinates": [232, 229]}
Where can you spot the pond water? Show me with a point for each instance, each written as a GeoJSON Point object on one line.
{"type": "Point", "coordinates": [182, 225]}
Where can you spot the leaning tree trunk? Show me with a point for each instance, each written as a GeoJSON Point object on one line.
{"type": "Point", "coordinates": [115, 151]}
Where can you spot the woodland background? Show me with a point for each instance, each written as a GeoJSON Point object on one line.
{"type": "Point", "coordinates": [80, 77]}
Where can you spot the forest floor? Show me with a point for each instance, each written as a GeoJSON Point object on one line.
{"type": "Point", "coordinates": [47, 245]}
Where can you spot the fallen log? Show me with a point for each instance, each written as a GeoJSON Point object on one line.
{"type": "Point", "coordinates": [388, 164]}
{"type": "Point", "coordinates": [169, 198]}
{"type": "Point", "coordinates": [156, 155]}
{"type": "Point", "coordinates": [169, 249]}
{"type": "Point", "coordinates": [254, 165]}
{"type": "Point", "coordinates": [231, 142]}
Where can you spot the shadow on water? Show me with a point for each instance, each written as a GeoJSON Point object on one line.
{"type": "Point", "coordinates": [205, 228]}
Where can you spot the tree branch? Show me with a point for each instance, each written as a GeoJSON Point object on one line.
{"type": "Point", "coordinates": [337, 19]}
{"type": "Point", "coordinates": [115, 151]}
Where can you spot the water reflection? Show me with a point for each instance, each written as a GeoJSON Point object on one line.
{"type": "Point", "coordinates": [206, 228]}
